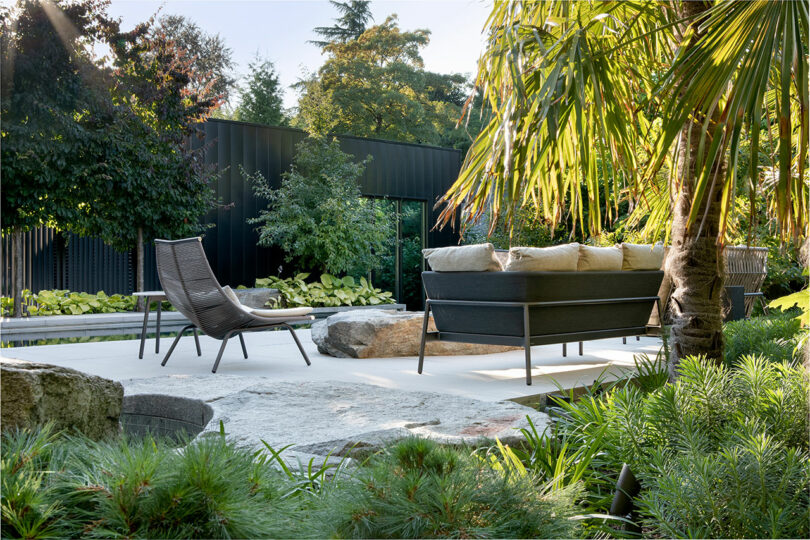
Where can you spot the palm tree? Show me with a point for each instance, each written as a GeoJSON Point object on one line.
{"type": "Point", "coordinates": [598, 102]}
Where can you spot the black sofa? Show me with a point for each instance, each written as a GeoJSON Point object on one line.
{"type": "Point", "coordinates": [537, 308]}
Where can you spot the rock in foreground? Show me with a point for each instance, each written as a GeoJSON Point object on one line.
{"type": "Point", "coordinates": [323, 417]}
{"type": "Point", "coordinates": [34, 394]}
{"type": "Point", "coordinates": [378, 333]}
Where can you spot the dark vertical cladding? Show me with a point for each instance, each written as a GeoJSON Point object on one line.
{"type": "Point", "coordinates": [398, 171]}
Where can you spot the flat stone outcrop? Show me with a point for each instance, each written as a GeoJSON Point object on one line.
{"type": "Point", "coordinates": [378, 333]}
{"type": "Point", "coordinates": [34, 394]}
{"type": "Point", "coordinates": [335, 417]}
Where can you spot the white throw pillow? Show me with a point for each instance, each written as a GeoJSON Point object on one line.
{"type": "Point", "coordinates": [475, 258]}
{"type": "Point", "coordinates": [599, 259]}
{"type": "Point", "coordinates": [561, 258]}
{"type": "Point", "coordinates": [642, 256]}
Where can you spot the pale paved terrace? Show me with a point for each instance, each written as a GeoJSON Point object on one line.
{"type": "Point", "coordinates": [274, 357]}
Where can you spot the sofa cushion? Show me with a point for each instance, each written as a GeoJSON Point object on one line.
{"type": "Point", "coordinates": [642, 256]}
{"type": "Point", "coordinates": [474, 258]}
{"type": "Point", "coordinates": [599, 259]}
{"type": "Point", "coordinates": [561, 258]}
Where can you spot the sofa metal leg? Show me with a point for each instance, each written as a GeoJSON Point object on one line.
{"type": "Point", "coordinates": [174, 343]}
{"type": "Point", "coordinates": [242, 342]}
{"type": "Point", "coordinates": [297, 342]}
{"type": "Point", "coordinates": [221, 350]}
{"type": "Point", "coordinates": [425, 321]}
{"type": "Point", "coordinates": [527, 344]}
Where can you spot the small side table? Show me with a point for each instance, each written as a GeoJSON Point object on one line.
{"type": "Point", "coordinates": [158, 296]}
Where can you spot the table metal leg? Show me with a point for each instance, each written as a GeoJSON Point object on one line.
{"type": "Point", "coordinates": [143, 331]}
{"type": "Point", "coordinates": [157, 330]}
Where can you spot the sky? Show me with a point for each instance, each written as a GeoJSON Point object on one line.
{"type": "Point", "coordinates": [279, 30]}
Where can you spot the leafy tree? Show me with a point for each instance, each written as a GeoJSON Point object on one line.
{"type": "Point", "coordinates": [318, 216]}
{"type": "Point", "coordinates": [575, 88]}
{"type": "Point", "coordinates": [262, 99]}
{"type": "Point", "coordinates": [355, 14]}
{"type": "Point", "coordinates": [211, 60]}
{"type": "Point", "coordinates": [376, 86]}
{"type": "Point", "coordinates": [153, 185]}
{"type": "Point", "coordinates": [53, 98]}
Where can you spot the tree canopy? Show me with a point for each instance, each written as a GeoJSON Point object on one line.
{"type": "Point", "coordinates": [261, 98]}
{"type": "Point", "coordinates": [353, 20]}
{"type": "Point", "coordinates": [211, 60]}
{"type": "Point", "coordinates": [376, 86]}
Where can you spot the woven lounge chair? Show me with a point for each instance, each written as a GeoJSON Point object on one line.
{"type": "Point", "coordinates": [191, 287]}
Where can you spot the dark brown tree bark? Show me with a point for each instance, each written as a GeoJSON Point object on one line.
{"type": "Point", "coordinates": [17, 271]}
{"type": "Point", "coordinates": [695, 261]}
{"type": "Point", "coordinates": [139, 281]}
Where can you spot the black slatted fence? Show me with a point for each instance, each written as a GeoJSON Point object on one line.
{"type": "Point", "coordinates": [397, 171]}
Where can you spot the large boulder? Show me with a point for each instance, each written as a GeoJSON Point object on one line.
{"type": "Point", "coordinates": [378, 333]}
{"type": "Point", "coordinates": [34, 394]}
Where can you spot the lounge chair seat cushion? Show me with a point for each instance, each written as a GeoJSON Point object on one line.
{"type": "Point", "coordinates": [279, 313]}
{"type": "Point", "coordinates": [599, 259]}
{"type": "Point", "coordinates": [268, 313]}
{"type": "Point", "coordinates": [473, 258]}
{"type": "Point", "coordinates": [561, 258]}
{"type": "Point", "coordinates": [642, 256]}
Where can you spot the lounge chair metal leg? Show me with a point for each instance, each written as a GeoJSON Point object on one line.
{"type": "Point", "coordinates": [425, 321]}
{"type": "Point", "coordinates": [638, 338]}
{"type": "Point", "coordinates": [565, 349]}
{"type": "Point", "coordinates": [175, 342]}
{"type": "Point", "coordinates": [197, 341]}
{"type": "Point", "coordinates": [624, 341]}
{"type": "Point", "coordinates": [527, 345]}
{"type": "Point", "coordinates": [221, 350]}
{"type": "Point", "coordinates": [297, 342]}
{"type": "Point", "coordinates": [242, 342]}
{"type": "Point", "coordinates": [580, 348]}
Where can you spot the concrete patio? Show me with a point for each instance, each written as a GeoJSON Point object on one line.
{"type": "Point", "coordinates": [273, 356]}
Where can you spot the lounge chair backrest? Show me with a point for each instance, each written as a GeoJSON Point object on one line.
{"type": "Point", "coordinates": [192, 288]}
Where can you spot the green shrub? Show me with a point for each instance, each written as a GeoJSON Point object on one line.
{"type": "Point", "coordinates": [722, 452]}
{"type": "Point", "coordinates": [418, 489]}
{"type": "Point", "coordinates": [329, 291]}
{"type": "Point", "coordinates": [318, 216]}
{"type": "Point", "coordinates": [774, 336]}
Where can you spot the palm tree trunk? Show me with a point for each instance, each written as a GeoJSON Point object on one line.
{"type": "Point", "coordinates": [695, 261]}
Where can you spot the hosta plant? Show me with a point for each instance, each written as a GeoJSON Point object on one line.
{"type": "Point", "coordinates": [328, 291]}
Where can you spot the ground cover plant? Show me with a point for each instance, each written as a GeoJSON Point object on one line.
{"type": "Point", "coordinates": [327, 291]}
{"type": "Point", "coordinates": [64, 302]}
{"type": "Point", "coordinates": [66, 486]}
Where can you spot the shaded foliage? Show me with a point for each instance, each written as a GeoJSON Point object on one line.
{"type": "Point", "coordinates": [318, 216]}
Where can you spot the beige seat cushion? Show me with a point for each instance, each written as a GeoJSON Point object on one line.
{"type": "Point", "coordinates": [268, 313]}
{"type": "Point", "coordinates": [599, 259]}
{"type": "Point", "coordinates": [561, 258]}
{"type": "Point", "coordinates": [280, 313]}
{"type": "Point", "coordinates": [642, 256]}
{"type": "Point", "coordinates": [474, 258]}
